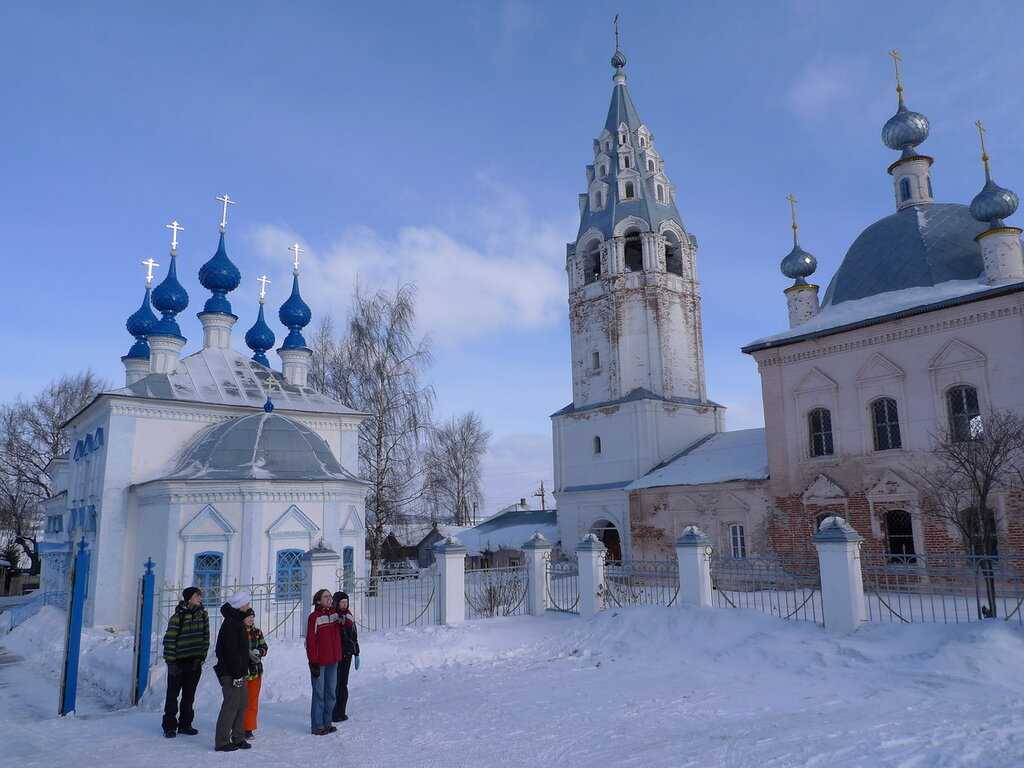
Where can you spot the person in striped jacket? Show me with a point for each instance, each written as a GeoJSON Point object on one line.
{"type": "Point", "coordinates": [186, 643]}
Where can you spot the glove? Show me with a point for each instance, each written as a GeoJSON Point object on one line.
{"type": "Point", "coordinates": [173, 669]}
{"type": "Point", "coordinates": [197, 664]}
{"type": "Point", "coordinates": [314, 669]}
{"type": "Point", "coordinates": [357, 662]}
{"type": "Point", "coordinates": [238, 682]}
{"type": "Point", "coordinates": [254, 654]}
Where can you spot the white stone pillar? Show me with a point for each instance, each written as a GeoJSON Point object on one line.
{"type": "Point", "coordinates": [537, 551]}
{"type": "Point", "coordinates": [802, 301]}
{"type": "Point", "coordinates": [295, 365]}
{"type": "Point", "coordinates": [693, 551]}
{"type": "Point", "coordinates": [135, 369]}
{"type": "Point", "coordinates": [1001, 254]}
{"type": "Point", "coordinates": [842, 586]}
{"type": "Point", "coordinates": [217, 329]}
{"type": "Point", "coordinates": [450, 557]}
{"type": "Point", "coordinates": [649, 243]}
{"type": "Point", "coordinates": [319, 571]}
{"type": "Point", "coordinates": [590, 554]}
{"type": "Point", "coordinates": [164, 352]}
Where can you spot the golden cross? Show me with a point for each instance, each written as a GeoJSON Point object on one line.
{"type": "Point", "coordinates": [896, 59]}
{"type": "Point", "coordinates": [149, 264]}
{"type": "Point", "coordinates": [615, 22]}
{"type": "Point", "coordinates": [296, 250]}
{"type": "Point", "coordinates": [175, 228]}
{"type": "Point", "coordinates": [981, 137]}
{"type": "Point", "coordinates": [792, 213]}
{"type": "Point", "coordinates": [224, 214]}
{"type": "Point", "coordinates": [264, 282]}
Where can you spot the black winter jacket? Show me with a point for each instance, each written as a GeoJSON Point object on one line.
{"type": "Point", "coordinates": [232, 644]}
{"type": "Point", "coordinates": [349, 634]}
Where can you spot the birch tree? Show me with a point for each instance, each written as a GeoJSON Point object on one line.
{"type": "Point", "coordinates": [454, 485]}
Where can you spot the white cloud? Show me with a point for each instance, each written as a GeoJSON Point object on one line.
{"type": "Point", "coordinates": [819, 87]}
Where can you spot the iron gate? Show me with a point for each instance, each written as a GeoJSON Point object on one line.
{"type": "Point", "coordinates": [563, 585]}
{"type": "Point", "coordinates": [789, 587]}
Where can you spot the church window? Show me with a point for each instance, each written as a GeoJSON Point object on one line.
{"type": "Point", "coordinates": [650, 165]}
{"type": "Point", "coordinates": [886, 424]}
{"type": "Point", "coordinates": [622, 138]}
{"type": "Point", "coordinates": [673, 255]}
{"type": "Point", "coordinates": [348, 560]}
{"type": "Point", "coordinates": [899, 537]}
{"type": "Point", "coordinates": [288, 581]}
{"type": "Point", "coordinates": [820, 426]}
{"type": "Point", "coordinates": [964, 414]}
{"type": "Point", "coordinates": [597, 444]}
{"type": "Point", "coordinates": [629, 191]}
{"type": "Point", "coordinates": [738, 541]}
{"type": "Point", "coordinates": [661, 194]}
{"type": "Point", "coordinates": [626, 162]}
{"type": "Point", "coordinates": [904, 189]}
{"type": "Point", "coordinates": [55, 524]}
{"type": "Point", "coordinates": [208, 572]}
{"type": "Point", "coordinates": [595, 360]}
{"type": "Point", "coordinates": [592, 262]}
{"type": "Point", "coordinates": [604, 170]}
{"type": "Point", "coordinates": [643, 142]}
{"type": "Point", "coordinates": [634, 250]}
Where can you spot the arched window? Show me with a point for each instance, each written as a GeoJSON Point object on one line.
{"type": "Point", "coordinates": [819, 422]}
{"type": "Point", "coordinates": [899, 537]}
{"type": "Point", "coordinates": [597, 444]}
{"type": "Point", "coordinates": [208, 571]}
{"type": "Point", "coordinates": [622, 138]}
{"type": "Point", "coordinates": [604, 170]}
{"type": "Point", "coordinates": [964, 414]}
{"type": "Point", "coordinates": [738, 541]}
{"type": "Point", "coordinates": [904, 189]}
{"type": "Point", "coordinates": [650, 165]}
{"type": "Point", "coordinates": [634, 250]}
{"type": "Point", "coordinates": [643, 142]}
{"type": "Point", "coordinates": [661, 193]}
{"type": "Point", "coordinates": [673, 254]}
{"type": "Point", "coordinates": [886, 424]}
{"type": "Point", "coordinates": [288, 579]}
{"type": "Point", "coordinates": [592, 262]}
{"type": "Point", "coordinates": [629, 191]}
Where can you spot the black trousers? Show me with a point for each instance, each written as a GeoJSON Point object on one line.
{"type": "Point", "coordinates": [184, 684]}
{"type": "Point", "coordinates": [341, 697]}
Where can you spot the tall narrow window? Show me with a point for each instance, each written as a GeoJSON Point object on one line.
{"type": "Point", "coordinates": [634, 251]}
{"type": "Point", "coordinates": [820, 427]}
{"type": "Point", "coordinates": [661, 193]}
{"type": "Point", "coordinates": [208, 571]}
{"type": "Point", "coordinates": [626, 162]}
{"type": "Point", "coordinates": [886, 423]}
{"type": "Point", "coordinates": [650, 165]}
{"type": "Point", "coordinates": [964, 414]}
{"type": "Point", "coordinates": [899, 534]}
{"type": "Point", "coordinates": [738, 540]}
{"type": "Point", "coordinates": [629, 191]}
{"type": "Point", "coordinates": [597, 444]}
{"type": "Point", "coordinates": [904, 189]}
{"type": "Point", "coordinates": [595, 360]}
{"type": "Point", "coordinates": [592, 262]}
{"type": "Point", "coordinates": [673, 255]}
{"type": "Point", "coordinates": [288, 581]}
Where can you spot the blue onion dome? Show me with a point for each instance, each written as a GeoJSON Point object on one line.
{"type": "Point", "coordinates": [294, 315]}
{"type": "Point", "coordinates": [798, 264]}
{"type": "Point", "coordinates": [618, 59]}
{"type": "Point", "coordinates": [994, 203]}
{"type": "Point", "coordinates": [169, 298]}
{"type": "Point", "coordinates": [140, 324]}
{"type": "Point", "coordinates": [219, 275]}
{"type": "Point", "coordinates": [259, 339]}
{"type": "Point", "coordinates": [905, 130]}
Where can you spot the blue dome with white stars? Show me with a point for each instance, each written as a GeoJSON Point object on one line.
{"type": "Point", "coordinates": [259, 339]}
{"type": "Point", "coordinates": [140, 324]}
{"type": "Point", "coordinates": [219, 275]}
{"type": "Point", "coordinates": [169, 298]}
{"type": "Point", "coordinates": [294, 315]}
{"type": "Point", "coordinates": [905, 130]}
{"type": "Point", "coordinates": [994, 203]}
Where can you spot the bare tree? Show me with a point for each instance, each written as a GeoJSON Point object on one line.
{"type": "Point", "coordinates": [32, 434]}
{"type": "Point", "coordinates": [453, 481]}
{"type": "Point", "coordinates": [376, 368]}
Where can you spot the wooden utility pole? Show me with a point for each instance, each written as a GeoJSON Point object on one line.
{"type": "Point", "coordinates": [540, 492]}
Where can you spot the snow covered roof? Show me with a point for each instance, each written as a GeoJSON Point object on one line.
{"type": "Point", "coordinates": [717, 458]}
{"type": "Point", "coordinates": [883, 307]}
{"type": "Point", "coordinates": [510, 530]}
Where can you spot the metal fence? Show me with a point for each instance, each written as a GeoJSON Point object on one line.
{"type": "Point", "coordinates": [563, 585]}
{"type": "Point", "coordinates": [496, 592]}
{"type": "Point", "coordinates": [943, 589]}
{"type": "Point", "coordinates": [380, 603]}
{"type": "Point", "coordinates": [789, 588]}
{"type": "Point", "coordinates": [641, 582]}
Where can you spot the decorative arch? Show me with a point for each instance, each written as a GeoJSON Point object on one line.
{"type": "Point", "coordinates": [631, 222]}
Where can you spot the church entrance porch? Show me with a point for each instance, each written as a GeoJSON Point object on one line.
{"type": "Point", "coordinates": [608, 535]}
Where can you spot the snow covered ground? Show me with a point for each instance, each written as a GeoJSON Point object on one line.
{"type": "Point", "coordinates": [634, 687]}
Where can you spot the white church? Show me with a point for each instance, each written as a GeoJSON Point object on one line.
{"type": "Point", "coordinates": [215, 465]}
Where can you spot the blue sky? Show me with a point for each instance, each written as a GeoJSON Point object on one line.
{"type": "Point", "coordinates": [445, 144]}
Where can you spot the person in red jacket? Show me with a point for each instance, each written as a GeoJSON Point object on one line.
{"type": "Point", "coordinates": [323, 650]}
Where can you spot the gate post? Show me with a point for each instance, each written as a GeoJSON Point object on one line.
{"type": "Point", "coordinates": [450, 556]}
{"type": "Point", "coordinates": [537, 551]}
{"type": "Point", "coordinates": [143, 633]}
{"type": "Point", "coordinates": [73, 632]}
{"type": "Point", "coordinates": [590, 554]}
{"type": "Point", "coordinates": [842, 585]}
{"type": "Point", "coordinates": [319, 571]}
{"type": "Point", "coordinates": [692, 552]}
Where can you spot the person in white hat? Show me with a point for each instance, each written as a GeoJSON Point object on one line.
{"type": "Point", "coordinates": [232, 666]}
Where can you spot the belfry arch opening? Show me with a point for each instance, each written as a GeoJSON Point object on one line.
{"type": "Point", "coordinates": [634, 252]}
{"type": "Point", "coordinates": [673, 254]}
{"type": "Point", "coordinates": [592, 262]}
{"type": "Point", "coordinates": [608, 535]}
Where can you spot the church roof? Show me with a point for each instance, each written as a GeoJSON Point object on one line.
{"type": "Point", "coordinates": [224, 377]}
{"type": "Point", "coordinates": [720, 457]}
{"type": "Point", "coordinates": [260, 446]}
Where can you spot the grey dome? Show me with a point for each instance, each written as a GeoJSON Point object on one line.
{"type": "Point", "coordinates": [905, 129]}
{"type": "Point", "coordinates": [921, 245]}
{"type": "Point", "coordinates": [994, 203]}
{"type": "Point", "coordinates": [262, 446]}
{"type": "Point", "coordinates": [798, 264]}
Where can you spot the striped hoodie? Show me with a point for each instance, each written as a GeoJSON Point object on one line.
{"type": "Point", "coordinates": [188, 634]}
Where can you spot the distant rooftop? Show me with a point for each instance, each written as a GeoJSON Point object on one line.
{"type": "Point", "coordinates": [510, 530]}
{"type": "Point", "coordinates": [717, 458]}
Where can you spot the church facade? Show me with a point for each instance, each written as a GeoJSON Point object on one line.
{"type": "Point", "coordinates": [218, 467]}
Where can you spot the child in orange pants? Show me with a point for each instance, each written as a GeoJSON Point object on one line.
{"type": "Point", "coordinates": [257, 650]}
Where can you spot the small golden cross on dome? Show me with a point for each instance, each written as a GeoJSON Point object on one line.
{"type": "Point", "coordinates": [981, 138]}
{"type": "Point", "coordinates": [175, 228]}
{"type": "Point", "coordinates": [792, 213]}
{"type": "Point", "coordinates": [224, 213]}
{"type": "Point", "coordinates": [295, 250]}
{"type": "Point", "coordinates": [264, 282]}
{"type": "Point", "coordinates": [149, 264]}
{"type": "Point", "coordinates": [896, 59]}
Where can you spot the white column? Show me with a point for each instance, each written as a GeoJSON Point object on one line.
{"type": "Point", "coordinates": [319, 571]}
{"type": "Point", "coordinates": [450, 557]}
{"type": "Point", "coordinates": [1001, 254]}
{"type": "Point", "coordinates": [295, 365]}
{"type": "Point", "coordinates": [842, 586]}
{"type": "Point", "coordinates": [802, 302]}
{"type": "Point", "coordinates": [693, 552]}
{"type": "Point", "coordinates": [537, 551]}
{"type": "Point", "coordinates": [135, 369]}
{"type": "Point", "coordinates": [217, 329]}
{"type": "Point", "coordinates": [164, 352]}
{"type": "Point", "coordinates": [590, 554]}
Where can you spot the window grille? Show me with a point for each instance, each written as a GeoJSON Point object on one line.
{"type": "Point", "coordinates": [820, 426]}
{"type": "Point", "coordinates": [288, 581]}
{"type": "Point", "coordinates": [886, 423]}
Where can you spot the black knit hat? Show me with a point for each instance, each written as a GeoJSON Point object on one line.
{"type": "Point", "coordinates": [339, 596]}
{"type": "Point", "coordinates": [187, 592]}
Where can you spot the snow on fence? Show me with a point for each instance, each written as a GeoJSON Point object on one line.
{"type": "Point", "coordinates": [943, 589]}
{"type": "Point", "coordinates": [563, 585]}
{"type": "Point", "coordinates": [496, 592]}
{"type": "Point", "coordinates": [381, 603]}
{"type": "Point", "coordinates": [641, 582]}
{"type": "Point", "coordinates": [789, 588]}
